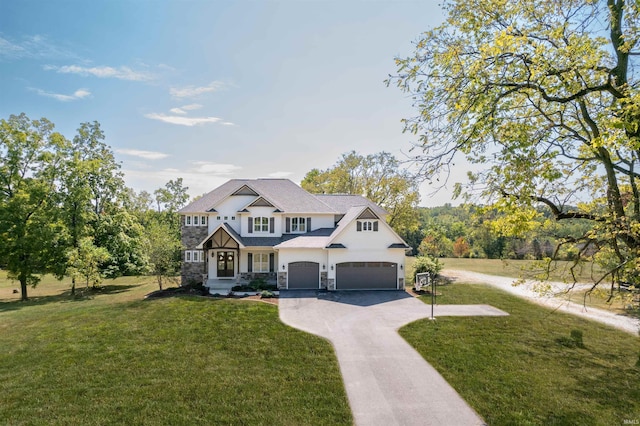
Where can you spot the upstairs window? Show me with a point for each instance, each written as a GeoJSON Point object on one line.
{"type": "Point", "coordinates": [260, 224]}
{"type": "Point", "coordinates": [195, 220]}
{"type": "Point", "coordinates": [298, 224]}
{"type": "Point", "coordinates": [367, 226]}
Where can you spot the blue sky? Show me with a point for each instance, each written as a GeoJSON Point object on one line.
{"type": "Point", "coordinates": [214, 90]}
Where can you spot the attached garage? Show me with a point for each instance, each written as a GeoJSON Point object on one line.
{"type": "Point", "coordinates": [304, 275]}
{"type": "Point", "coordinates": [366, 275]}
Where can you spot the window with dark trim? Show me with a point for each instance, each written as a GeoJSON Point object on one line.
{"type": "Point", "coordinates": [260, 224]}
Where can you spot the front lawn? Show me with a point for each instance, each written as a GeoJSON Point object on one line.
{"type": "Point", "coordinates": [529, 368]}
{"type": "Point", "coordinates": [187, 360]}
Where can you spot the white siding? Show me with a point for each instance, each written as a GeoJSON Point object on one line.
{"type": "Point", "coordinates": [229, 208]}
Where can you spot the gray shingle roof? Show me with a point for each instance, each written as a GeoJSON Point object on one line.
{"type": "Point", "coordinates": [344, 202]}
{"type": "Point", "coordinates": [283, 193]}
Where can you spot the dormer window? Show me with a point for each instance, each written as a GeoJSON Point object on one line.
{"type": "Point", "coordinates": [260, 224]}
{"type": "Point", "coordinates": [298, 224]}
{"type": "Point", "coordinates": [367, 226]}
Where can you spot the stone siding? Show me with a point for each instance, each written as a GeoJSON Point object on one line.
{"type": "Point", "coordinates": [192, 272]}
{"type": "Point", "coordinates": [282, 280]}
{"type": "Point", "coordinates": [191, 236]}
{"type": "Point", "coordinates": [323, 280]}
{"type": "Point", "coordinates": [331, 284]}
{"type": "Point", "coordinates": [269, 277]}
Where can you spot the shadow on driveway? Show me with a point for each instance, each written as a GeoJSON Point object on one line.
{"type": "Point", "coordinates": [355, 297]}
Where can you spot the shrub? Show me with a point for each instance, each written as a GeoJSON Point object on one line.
{"type": "Point", "coordinates": [266, 294]}
{"type": "Point", "coordinates": [427, 264]}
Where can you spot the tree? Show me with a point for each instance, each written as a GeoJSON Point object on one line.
{"type": "Point", "coordinates": [85, 262]}
{"type": "Point", "coordinates": [173, 196]}
{"type": "Point", "coordinates": [31, 232]}
{"type": "Point", "coordinates": [435, 244]}
{"type": "Point", "coordinates": [461, 248]}
{"type": "Point", "coordinates": [544, 94]}
{"type": "Point", "coordinates": [377, 177]}
{"type": "Point", "coordinates": [164, 249]}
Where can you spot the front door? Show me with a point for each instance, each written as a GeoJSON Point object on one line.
{"type": "Point", "coordinates": [226, 264]}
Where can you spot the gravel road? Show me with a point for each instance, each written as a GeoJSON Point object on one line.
{"type": "Point", "coordinates": [555, 298]}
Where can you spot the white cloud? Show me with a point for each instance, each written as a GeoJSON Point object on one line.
{"type": "Point", "coordinates": [280, 175]}
{"type": "Point", "coordinates": [33, 46]}
{"type": "Point", "coordinates": [184, 121]}
{"type": "Point", "coordinates": [78, 94]}
{"type": "Point", "coordinates": [194, 91]}
{"type": "Point", "coordinates": [121, 73]}
{"type": "Point", "coordinates": [191, 107]}
{"type": "Point", "coordinates": [200, 179]}
{"type": "Point", "coordinates": [205, 167]}
{"type": "Point", "coordinates": [183, 109]}
{"type": "Point", "coordinates": [147, 155]}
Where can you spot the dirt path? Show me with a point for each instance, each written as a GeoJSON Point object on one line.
{"type": "Point", "coordinates": [528, 290]}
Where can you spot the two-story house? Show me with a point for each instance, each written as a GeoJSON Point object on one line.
{"type": "Point", "coordinates": [272, 228]}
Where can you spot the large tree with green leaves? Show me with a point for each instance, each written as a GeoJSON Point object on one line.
{"type": "Point", "coordinates": [543, 94]}
{"type": "Point", "coordinates": [31, 232]}
{"type": "Point", "coordinates": [378, 177]}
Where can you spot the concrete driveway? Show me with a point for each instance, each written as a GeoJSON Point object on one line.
{"type": "Point", "coordinates": [387, 381]}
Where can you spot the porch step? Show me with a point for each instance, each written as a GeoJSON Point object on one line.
{"type": "Point", "coordinates": [220, 286]}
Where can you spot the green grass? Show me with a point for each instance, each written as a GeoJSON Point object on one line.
{"type": "Point", "coordinates": [111, 358]}
{"type": "Point", "coordinates": [529, 269]}
{"type": "Point", "coordinates": [621, 303]}
{"type": "Point", "coordinates": [525, 369]}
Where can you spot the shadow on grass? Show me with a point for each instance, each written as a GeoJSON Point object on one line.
{"type": "Point", "coordinates": [82, 294]}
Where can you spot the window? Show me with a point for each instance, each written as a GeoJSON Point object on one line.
{"type": "Point", "coordinates": [187, 220]}
{"type": "Point", "coordinates": [194, 256]}
{"type": "Point", "coordinates": [195, 221]}
{"type": "Point", "coordinates": [233, 218]}
{"type": "Point", "coordinates": [261, 224]}
{"type": "Point", "coordinates": [367, 225]}
{"type": "Point", "coordinates": [226, 218]}
{"type": "Point", "coordinates": [218, 218]}
{"type": "Point", "coordinates": [298, 224]}
{"type": "Point", "coordinates": [261, 262]}
{"type": "Point", "coordinates": [203, 220]}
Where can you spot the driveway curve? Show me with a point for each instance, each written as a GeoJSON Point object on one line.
{"type": "Point", "coordinates": [387, 381]}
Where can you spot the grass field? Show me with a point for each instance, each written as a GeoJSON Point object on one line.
{"type": "Point", "coordinates": [527, 369]}
{"type": "Point", "coordinates": [108, 357]}
{"type": "Point", "coordinates": [528, 269]}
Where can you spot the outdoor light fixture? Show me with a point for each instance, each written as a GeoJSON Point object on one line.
{"type": "Point", "coordinates": [323, 266]}
{"type": "Point", "coordinates": [400, 266]}
{"type": "Point", "coordinates": [332, 267]}
{"type": "Point", "coordinates": [283, 266]}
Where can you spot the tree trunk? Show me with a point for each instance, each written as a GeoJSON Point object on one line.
{"type": "Point", "coordinates": [73, 286]}
{"type": "Point", "coordinates": [23, 288]}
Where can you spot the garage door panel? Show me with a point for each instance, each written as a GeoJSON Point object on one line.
{"type": "Point", "coordinates": [366, 275]}
{"type": "Point", "coordinates": [304, 275]}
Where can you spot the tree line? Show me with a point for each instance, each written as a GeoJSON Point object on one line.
{"type": "Point", "coordinates": [65, 209]}
{"type": "Point", "coordinates": [472, 231]}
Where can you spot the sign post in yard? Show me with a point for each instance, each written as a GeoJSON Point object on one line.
{"type": "Point", "coordinates": [423, 280]}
